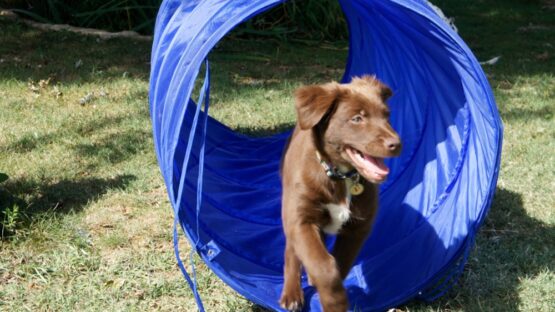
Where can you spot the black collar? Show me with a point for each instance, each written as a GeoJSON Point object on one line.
{"type": "Point", "coordinates": [334, 173]}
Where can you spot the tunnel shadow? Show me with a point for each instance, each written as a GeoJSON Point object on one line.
{"type": "Point", "coordinates": [511, 247]}
{"type": "Point", "coordinates": [36, 198]}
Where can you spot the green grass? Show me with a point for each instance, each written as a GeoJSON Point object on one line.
{"type": "Point", "coordinates": [90, 223]}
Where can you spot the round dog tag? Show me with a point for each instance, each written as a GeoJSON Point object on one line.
{"type": "Point", "coordinates": [357, 189]}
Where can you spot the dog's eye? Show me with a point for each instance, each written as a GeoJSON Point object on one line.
{"type": "Point", "coordinates": [356, 119]}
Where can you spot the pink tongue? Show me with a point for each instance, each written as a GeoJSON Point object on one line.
{"type": "Point", "coordinates": [375, 164]}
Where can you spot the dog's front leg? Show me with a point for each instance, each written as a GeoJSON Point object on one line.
{"type": "Point", "coordinates": [320, 266]}
{"type": "Point", "coordinates": [347, 246]}
{"type": "Point", "coordinates": [292, 297]}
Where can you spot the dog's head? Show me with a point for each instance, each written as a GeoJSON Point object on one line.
{"type": "Point", "coordinates": [351, 124]}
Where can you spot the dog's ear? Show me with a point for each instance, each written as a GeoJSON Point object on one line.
{"type": "Point", "coordinates": [312, 102]}
{"type": "Point", "coordinates": [384, 91]}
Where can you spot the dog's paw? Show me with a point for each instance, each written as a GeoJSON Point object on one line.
{"type": "Point", "coordinates": [292, 301]}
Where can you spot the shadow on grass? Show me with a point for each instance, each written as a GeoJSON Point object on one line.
{"type": "Point", "coordinates": [545, 112]}
{"type": "Point", "coordinates": [72, 59]}
{"type": "Point", "coordinates": [31, 54]}
{"type": "Point", "coordinates": [35, 198]}
{"type": "Point", "coordinates": [29, 142]}
{"type": "Point", "coordinates": [121, 143]}
{"type": "Point", "coordinates": [111, 148]}
{"type": "Point", "coordinates": [511, 247]}
{"type": "Point", "coordinates": [117, 147]}
{"type": "Point", "coordinates": [517, 30]}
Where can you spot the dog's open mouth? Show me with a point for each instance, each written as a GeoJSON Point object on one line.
{"type": "Point", "coordinates": [372, 168]}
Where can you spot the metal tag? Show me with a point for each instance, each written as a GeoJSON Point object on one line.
{"type": "Point", "coordinates": [357, 189]}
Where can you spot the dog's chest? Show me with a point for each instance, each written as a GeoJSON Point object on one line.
{"type": "Point", "coordinates": [339, 213]}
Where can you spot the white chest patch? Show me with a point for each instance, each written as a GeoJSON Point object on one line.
{"type": "Point", "coordinates": [339, 214]}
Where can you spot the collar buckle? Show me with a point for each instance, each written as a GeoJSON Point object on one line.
{"type": "Point", "coordinates": [335, 174]}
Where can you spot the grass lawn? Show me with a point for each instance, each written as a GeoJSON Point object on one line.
{"type": "Point", "coordinates": [87, 222]}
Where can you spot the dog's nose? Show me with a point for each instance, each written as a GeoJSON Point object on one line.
{"type": "Point", "coordinates": [393, 144]}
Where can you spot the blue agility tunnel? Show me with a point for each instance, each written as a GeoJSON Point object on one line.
{"type": "Point", "coordinates": [225, 186]}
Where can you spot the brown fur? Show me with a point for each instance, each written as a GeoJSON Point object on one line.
{"type": "Point", "coordinates": [325, 124]}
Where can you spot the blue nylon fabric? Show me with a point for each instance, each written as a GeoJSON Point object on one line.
{"type": "Point", "coordinates": [433, 203]}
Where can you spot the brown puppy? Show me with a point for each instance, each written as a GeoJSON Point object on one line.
{"type": "Point", "coordinates": [330, 172]}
